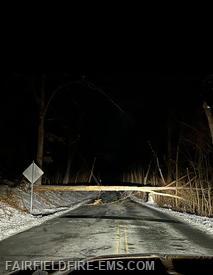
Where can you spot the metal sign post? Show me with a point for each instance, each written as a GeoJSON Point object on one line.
{"type": "Point", "coordinates": [32, 173]}
{"type": "Point", "coordinates": [31, 193]}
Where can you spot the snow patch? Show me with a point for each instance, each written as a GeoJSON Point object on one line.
{"type": "Point", "coordinates": [151, 199]}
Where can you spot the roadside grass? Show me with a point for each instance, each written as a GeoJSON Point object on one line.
{"type": "Point", "coordinates": [193, 178]}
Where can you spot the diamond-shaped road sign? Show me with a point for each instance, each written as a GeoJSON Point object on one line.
{"type": "Point", "coordinates": [33, 173]}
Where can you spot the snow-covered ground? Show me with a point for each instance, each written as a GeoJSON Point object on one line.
{"type": "Point", "coordinates": [15, 204]}
{"type": "Point", "coordinates": [203, 223]}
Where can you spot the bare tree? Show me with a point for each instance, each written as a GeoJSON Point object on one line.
{"type": "Point", "coordinates": [44, 101]}
{"type": "Point", "coordinates": [41, 118]}
{"type": "Point", "coordinates": [71, 154]}
{"type": "Point", "coordinates": [207, 102]}
{"type": "Point", "coordinates": [169, 148]}
{"type": "Point", "coordinates": [209, 116]}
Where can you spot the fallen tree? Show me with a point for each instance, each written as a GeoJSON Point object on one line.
{"type": "Point", "coordinates": [98, 188]}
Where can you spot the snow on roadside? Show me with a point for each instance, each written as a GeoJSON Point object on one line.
{"type": "Point", "coordinates": [14, 207]}
{"type": "Point", "coordinates": [202, 223]}
{"type": "Point", "coordinates": [19, 222]}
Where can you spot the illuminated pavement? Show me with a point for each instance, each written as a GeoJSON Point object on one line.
{"type": "Point", "coordinates": [124, 227]}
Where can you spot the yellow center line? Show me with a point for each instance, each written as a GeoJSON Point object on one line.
{"type": "Point", "coordinates": [126, 240]}
{"type": "Point", "coordinates": [117, 250]}
{"type": "Point", "coordinates": [121, 233]}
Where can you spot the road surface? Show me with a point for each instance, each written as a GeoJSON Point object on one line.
{"type": "Point", "coordinates": [125, 227]}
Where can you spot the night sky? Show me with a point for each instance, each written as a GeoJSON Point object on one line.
{"type": "Point", "coordinates": [117, 136]}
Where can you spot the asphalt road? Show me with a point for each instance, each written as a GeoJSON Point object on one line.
{"type": "Point", "coordinates": [125, 227]}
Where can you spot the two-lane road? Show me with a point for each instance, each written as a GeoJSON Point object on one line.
{"type": "Point", "coordinates": [124, 227]}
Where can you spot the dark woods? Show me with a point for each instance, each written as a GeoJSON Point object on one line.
{"type": "Point", "coordinates": [109, 128]}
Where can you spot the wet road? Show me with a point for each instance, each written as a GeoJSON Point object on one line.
{"type": "Point", "coordinates": [125, 227]}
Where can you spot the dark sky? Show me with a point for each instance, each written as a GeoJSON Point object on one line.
{"type": "Point", "coordinates": [117, 138]}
